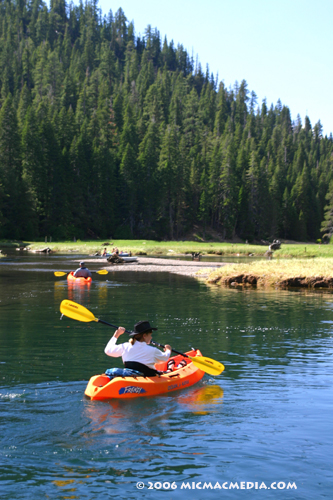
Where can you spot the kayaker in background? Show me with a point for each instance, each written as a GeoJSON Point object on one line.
{"type": "Point", "coordinates": [82, 271]}
{"type": "Point", "coordinates": [137, 354]}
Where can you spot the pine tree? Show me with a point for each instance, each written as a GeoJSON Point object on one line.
{"type": "Point", "coordinates": [169, 181]}
{"type": "Point", "coordinates": [229, 191]}
{"type": "Point", "coordinates": [221, 111]}
{"type": "Point", "coordinates": [13, 207]}
{"type": "Point", "coordinates": [327, 224]}
{"type": "Point", "coordinates": [129, 171]}
{"type": "Point", "coordinates": [149, 151]}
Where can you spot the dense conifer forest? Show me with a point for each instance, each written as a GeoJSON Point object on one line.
{"type": "Point", "coordinates": [104, 133]}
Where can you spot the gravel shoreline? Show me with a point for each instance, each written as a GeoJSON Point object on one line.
{"type": "Point", "coordinates": [192, 268]}
{"type": "Point", "coordinates": [148, 264]}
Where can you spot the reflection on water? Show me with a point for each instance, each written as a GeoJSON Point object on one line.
{"type": "Point", "coordinates": [112, 416]}
{"type": "Point", "coordinates": [203, 396]}
{"type": "Point", "coordinates": [266, 418]}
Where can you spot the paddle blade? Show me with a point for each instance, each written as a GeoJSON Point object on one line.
{"type": "Point", "coordinates": [59, 273]}
{"type": "Point", "coordinates": [208, 365]}
{"type": "Point", "coordinates": [102, 271]}
{"type": "Point", "coordinates": [76, 311]}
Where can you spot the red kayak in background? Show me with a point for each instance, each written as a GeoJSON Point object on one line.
{"type": "Point", "coordinates": [80, 279]}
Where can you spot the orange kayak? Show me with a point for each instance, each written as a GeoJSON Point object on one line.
{"type": "Point", "coordinates": [71, 277]}
{"type": "Point", "coordinates": [101, 387]}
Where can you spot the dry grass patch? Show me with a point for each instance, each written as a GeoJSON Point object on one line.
{"type": "Point", "coordinates": [281, 273]}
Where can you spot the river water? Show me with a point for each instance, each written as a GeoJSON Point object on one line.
{"type": "Point", "coordinates": [264, 425]}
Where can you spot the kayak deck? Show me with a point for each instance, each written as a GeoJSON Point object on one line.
{"type": "Point", "coordinates": [101, 387]}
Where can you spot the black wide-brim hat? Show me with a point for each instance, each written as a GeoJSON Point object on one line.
{"type": "Point", "coordinates": [141, 327]}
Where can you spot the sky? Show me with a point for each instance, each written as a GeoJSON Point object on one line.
{"type": "Point", "coordinates": [282, 48]}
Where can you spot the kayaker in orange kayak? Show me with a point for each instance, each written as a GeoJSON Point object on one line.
{"type": "Point", "coordinates": [82, 271]}
{"type": "Point", "coordinates": [137, 354]}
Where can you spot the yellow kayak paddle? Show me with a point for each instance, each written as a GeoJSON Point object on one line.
{"type": "Point", "coordinates": [75, 311]}
{"type": "Point", "coordinates": [61, 273]}
{"type": "Point", "coordinates": [79, 313]}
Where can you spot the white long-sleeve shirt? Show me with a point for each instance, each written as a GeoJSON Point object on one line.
{"type": "Point", "coordinates": [139, 352]}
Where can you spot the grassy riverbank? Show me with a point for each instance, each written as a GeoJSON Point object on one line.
{"type": "Point", "coordinates": [280, 273]}
{"type": "Point", "coordinates": [294, 265]}
{"type": "Point", "coordinates": [149, 247]}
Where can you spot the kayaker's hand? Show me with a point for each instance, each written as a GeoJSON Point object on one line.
{"type": "Point", "coordinates": [167, 347]}
{"type": "Point", "coordinates": [119, 331]}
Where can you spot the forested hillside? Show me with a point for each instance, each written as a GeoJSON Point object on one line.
{"type": "Point", "coordinates": [104, 133]}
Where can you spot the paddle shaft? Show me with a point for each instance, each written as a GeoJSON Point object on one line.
{"type": "Point", "coordinates": [109, 324]}
{"type": "Point", "coordinates": [152, 342]}
{"type": "Point", "coordinates": [173, 350]}
{"type": "Point", "coordinates": [80, 313]}
{"type": "Point", "coordinates": [208, 365]}
{"type": "Point", "coordinates": [63, 273]}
